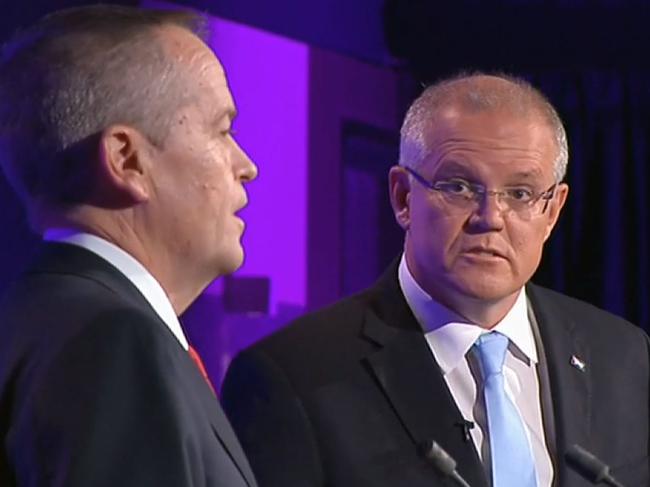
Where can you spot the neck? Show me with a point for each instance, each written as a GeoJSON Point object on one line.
{"type": "Point", "coordinates": [484, 313]}
{"type": "Point", "coordinates": [178, 284]}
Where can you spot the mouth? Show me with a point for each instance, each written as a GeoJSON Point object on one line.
{"type": "Point", "coordinates": [236, 213]}
{"type": "Point", "coordinates": [486, 252]}
{"type": "Point", "coordinates": [240, 206]}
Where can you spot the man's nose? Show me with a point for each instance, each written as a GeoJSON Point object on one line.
{"type": "Point", "coordinates": [489, 212]}
{"type": "Point", "coordinates": [247, 169]}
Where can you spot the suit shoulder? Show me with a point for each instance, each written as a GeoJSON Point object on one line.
{"type": "Point", "coordinates": [328, 339]}
{"type": "Point", "coordinates": [583, 312]}
{"type": "Point", "coordinates": [42, 316]}
{"type": "Point", "coordinates": [342, 318]}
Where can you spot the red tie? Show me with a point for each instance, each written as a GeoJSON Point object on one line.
{"type": "Point", "coordinates": [196, 358]}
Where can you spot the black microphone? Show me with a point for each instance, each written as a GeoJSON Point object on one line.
{"type": "Point", "coordinates": [589, 466]}
{"type": "Point", "coordinates": [440, 459]}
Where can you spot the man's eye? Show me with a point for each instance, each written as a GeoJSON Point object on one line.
{"type": "Point", "coordinates": [519, 194]}
{"type": "Point", "coordinates": [228, 131]}
{"type": "Point", "coordinates": [454, 187]}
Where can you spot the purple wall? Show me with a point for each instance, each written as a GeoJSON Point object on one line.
{"type": "Point", "coordinates": [294, 102]}
{"type": "Point", "coordinates": [342, 91]}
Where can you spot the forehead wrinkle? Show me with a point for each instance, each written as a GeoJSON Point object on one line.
{"type": "Point", "coordinates": [456, 148]}
{"type": "Point", "coordinates": [213, 76]}
{"type": "Point", "coordinates": [453, 160]}
{"type": "Point", "coordinates": [203, 73]}
{"type": "Point", "coordinates": [189, 52]}
{"type": "Point", "coordinates": [521, 140]}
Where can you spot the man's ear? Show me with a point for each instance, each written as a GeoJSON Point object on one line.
{"type": "Point", "coordinates": [124, 159]}
{"type": "Point", "coordinates": [555, 207]}
{"type": "Point", "coordinates": [399, 185]}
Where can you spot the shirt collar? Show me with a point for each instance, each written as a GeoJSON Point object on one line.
{"type": "Point", "coordinates": [450, 335]}
{"type": "Point", "coordinates": [133, 270]}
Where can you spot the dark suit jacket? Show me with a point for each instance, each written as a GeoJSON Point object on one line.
{"type": "Point", "coordinates": [343, 397]}
{"type": "Point", "coordinates": [96, 391]}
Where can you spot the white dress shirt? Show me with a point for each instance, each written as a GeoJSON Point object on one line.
{"type": "Point", "coordinates": [133, 270]}
{"type": "Point", "coordinates": [450, 338]}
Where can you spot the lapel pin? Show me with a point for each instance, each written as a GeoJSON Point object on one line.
{"type": "Point", "coordinates": [578, 363]}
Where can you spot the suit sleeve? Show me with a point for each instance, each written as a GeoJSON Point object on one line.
{"type": "Point", "coordinates": [106, 413]}
{"type": "Point", "coordinates": [271, 423]}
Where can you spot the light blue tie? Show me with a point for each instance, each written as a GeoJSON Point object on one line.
{"type": "Point", "coordinates": [512, 460]}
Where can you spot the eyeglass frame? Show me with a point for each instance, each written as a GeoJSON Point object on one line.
{"type": "Point", "coordinates": [547, 195]}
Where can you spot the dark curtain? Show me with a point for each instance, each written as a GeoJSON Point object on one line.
{"type": "Point", "coordinates": [590, 57]}
{"type": "Point", "coordinates": [600, 249]}
{"type": "Point", "coordinates": [17, 242]}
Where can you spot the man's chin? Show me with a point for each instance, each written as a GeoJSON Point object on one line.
{"type": "Point", "coordinates": [488, 288]}
{"type": "Point", "coordinates": [231, 262]}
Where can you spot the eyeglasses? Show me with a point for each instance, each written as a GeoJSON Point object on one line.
{"type": "Point", "coordinates": [464, 196]}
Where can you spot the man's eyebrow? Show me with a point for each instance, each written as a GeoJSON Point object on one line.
{"type": "Point", "coordinates": [221, 113]}
{"type": "Point", "coordinates": [458, 167]}
{"type": "Point", "coordinates": [229, 114]}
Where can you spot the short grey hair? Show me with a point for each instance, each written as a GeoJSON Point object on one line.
{"type": "Point", "coordinates": [471, 92]}
{"type": "Point", "coordinates": [71, 75]}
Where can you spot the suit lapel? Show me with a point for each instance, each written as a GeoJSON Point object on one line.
{"type": "Point", "coordinates": [569, 382]}
{"type": "Point", "coordinates": [221, 427]}
{"type": "Point", "coordinates": [226, 436]}
{"type": "Point", "coordinates": [61, 258]}
{"type": "Point", "coordinates": [412, 381]}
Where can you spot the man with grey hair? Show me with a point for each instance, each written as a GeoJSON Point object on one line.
{"type": "Point", "coordinates": [115, 131]}
{"type": "Point", "coordinates": [453, 344]}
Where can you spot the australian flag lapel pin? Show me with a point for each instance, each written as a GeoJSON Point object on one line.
{"type": "Point", "coordinates": [578, 363]}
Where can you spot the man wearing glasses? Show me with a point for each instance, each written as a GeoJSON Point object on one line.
{"type": "Point", "coordinates": [453, 343]}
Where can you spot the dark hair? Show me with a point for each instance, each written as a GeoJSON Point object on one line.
{"type": "Point", "coordinates": [72, 74]}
